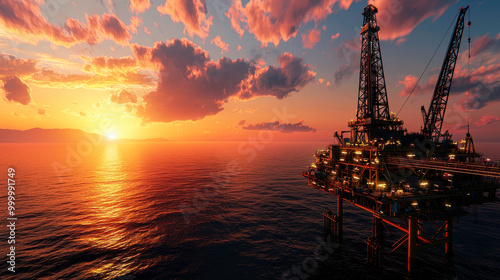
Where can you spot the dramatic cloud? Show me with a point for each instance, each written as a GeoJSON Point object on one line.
{"type": "Point", "coordinates": [139, 6]}
{"type": "Point", "coordinates": [274, 20]}
{"type": "Point", "coordinates": [310, 38]}
{"type": "Point", "coordinates": [98, 105]}
{"type": "Point", "coordinates": [277, 126]}
{"type": "Point", "coordinates": [192, 13]}
{"type": "Point", "coordinates": [291, 75]}
{"type": "Point", "coordinates": [221, 44]}
{"type": "Point", "coordinates": [25, 19]}
{"type": "Point", "coordinates": [487, 119]}
{"type": "Point", "coordinates": [398, 18]}
{"type": "Point", "coordinates": [123, 97]}
{"type": "Point", "coordinates": [10, 65]}
{"type": "Point", "coordinates": [193, 86]}
{"type": "Point", "coordinates": [115, 29]}
{"type": "Point", "coordinates": [41, 112]}
{"type": "Point", "coordinates": [16, 90]}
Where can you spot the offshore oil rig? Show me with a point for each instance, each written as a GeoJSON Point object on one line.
{"type": "Point", "coordinates": [416, 182]}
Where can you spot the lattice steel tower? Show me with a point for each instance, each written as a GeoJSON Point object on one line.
{"type": "Point", "coordinates": [373, 119]}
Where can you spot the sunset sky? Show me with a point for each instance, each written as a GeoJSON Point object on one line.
{"type": "Point", "coordinates": [220, 70]}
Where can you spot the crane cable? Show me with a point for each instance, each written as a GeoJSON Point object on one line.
{"type": "Point", "coordinates": [428, 63]}
{"type": "Point", "coordinates": [468, 79]}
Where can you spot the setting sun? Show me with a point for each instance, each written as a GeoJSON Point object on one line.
{"type": "Point", "coordinates": [111, 135]}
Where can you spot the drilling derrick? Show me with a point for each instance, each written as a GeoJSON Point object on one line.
{"type": "Point", "coordinates": [373, 119]}
{"type": "Point", "coordinates": [433, 119]}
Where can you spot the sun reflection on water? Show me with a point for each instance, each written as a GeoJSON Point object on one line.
{"type": "Point", "coordinates": [111, 207]}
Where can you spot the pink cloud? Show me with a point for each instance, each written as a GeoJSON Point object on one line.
{"type": "Point", "coordinates": [10, 65]}
{"type": "Point", "coordinates": [409, 82]}
{"type": "Point", "coordinates": [274, 20]}
{"type": "Point", "coordinates": [485, 43]}
{"type": "Point", "coordinates": [103, 64]}
{"type": "Point", "coordinates": [400, 41]}
{"type": "Point", "coordinates": [115, 29]}
{"type": "Point", "coordinates": [487, 119]}
{"type": "Point", "coordinates": [397, 19]}
{"type": "Point", "coordinates": [139, 6]}
{"type": "Point", "coordinates": [25, 19]}
{"type": "Point", "coordinates": [336, 36]}
{"type": "Point", "coordinates": [192, 86]}
{"type": "Point", "coordinates": [192, 13]}
{"type": "Point", "coordinates": [16, 90]}
{"type": "Point", "coordinates": [309, 39]}
{"type": "Point", "coordinates": [221, 44]}
{"type": "Point", "coordinates": [135, 22]}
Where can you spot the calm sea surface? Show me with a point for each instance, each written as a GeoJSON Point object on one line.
{"type": "Point", "coordinates": [202, 211]}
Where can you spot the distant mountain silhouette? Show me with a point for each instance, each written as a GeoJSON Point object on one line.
{"type": "Point", "coordinates": [40, 135]}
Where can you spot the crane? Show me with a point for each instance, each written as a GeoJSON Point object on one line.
{"type": "Point", "coordinates": [434, 117]}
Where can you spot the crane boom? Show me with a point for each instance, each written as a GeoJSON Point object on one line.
{"type": "Point", "coordinates": [433, 119]}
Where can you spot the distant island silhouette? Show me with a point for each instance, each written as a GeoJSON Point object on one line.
{"type": "Point", "coordinates": [40, 135]}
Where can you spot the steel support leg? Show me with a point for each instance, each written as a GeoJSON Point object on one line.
{"type": "Point", "coordinates": [412, 243]}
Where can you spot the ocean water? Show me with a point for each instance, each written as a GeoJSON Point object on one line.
{"type": "Point", "coordinates": [202, 211]}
